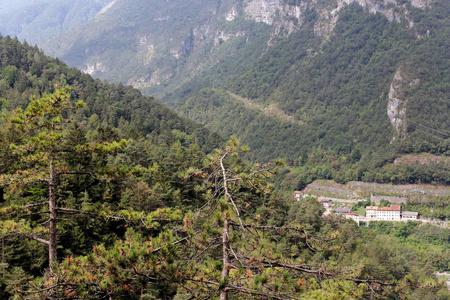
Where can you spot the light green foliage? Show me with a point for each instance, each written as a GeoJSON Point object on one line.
{"type": "Point", "coordinates": [428, 241]}
{"type": "Point", "coordinates": [434, 207]}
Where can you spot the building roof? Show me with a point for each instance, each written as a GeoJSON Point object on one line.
{"type": "Point", "coordinates": [410, 213]}
{"type": "Point", "coordinates": [371, 207]}
{"type": "Point", "coordinates": [396, 207]}
{"type": "Point", "coordinates": [384, 209]}
{"type": "Point", "coordinates": [350, 214]}
{"type": "Point", "coordinates": [297, 192]}
{"type": "Point", "coordinates": [342, 210]}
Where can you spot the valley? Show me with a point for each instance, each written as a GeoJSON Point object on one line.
{"type": "Point", "coordinates": [270, 111]}
{"type": "Point", "coordinates": [223, 149]}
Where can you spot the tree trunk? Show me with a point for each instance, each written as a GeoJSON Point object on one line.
{"type": "Point", "coordinates": [226, 261]}
{"type": "Point", "coordinates": [52, 217]}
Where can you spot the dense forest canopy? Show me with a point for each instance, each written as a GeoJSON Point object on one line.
{"type": "Point", "coordinates": [162, 215]}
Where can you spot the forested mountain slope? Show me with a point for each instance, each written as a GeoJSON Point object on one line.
{"type": "Point", "coordinates": [26, 71]}
{"type": "Point", "coordinates": [346, 75]}
{"type": "Point", "coordinates": [156, 46]}
{"type": "Point", "coordinates": [372, 82]}
{"type": "Point", "coordinates": [372, 91]}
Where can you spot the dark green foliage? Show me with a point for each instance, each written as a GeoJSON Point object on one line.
{"type": "Point", "coordinates": [164, 145]}
{"type": "Point", "coordinates": [352, 257]}
{"type": "Point", "coordinates": [363, 204]}
{"type": "Point", "coordinates": [338, 130]}
{"type": "Point", "coordinates": [27, 71]}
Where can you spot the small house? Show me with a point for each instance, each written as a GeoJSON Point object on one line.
{"type": "Point", "coordinates": [327, 203]}
{"type": "Point", "coordinates": [410, 215]}
{"type": "Point", "coordinates": [352, 216]}
{"type": "Point", "coordinates": [341, 210]}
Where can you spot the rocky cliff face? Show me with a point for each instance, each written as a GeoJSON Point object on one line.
{"type": "Point", "coordinates": [262, 10]}
{"type": "Point", "coordinates": [287, 18]}
{"type": "Point", "coordinates": [283, 18]}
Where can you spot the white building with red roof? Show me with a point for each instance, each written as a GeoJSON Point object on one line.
{"type": "Point", "coordinates": [392, 213]}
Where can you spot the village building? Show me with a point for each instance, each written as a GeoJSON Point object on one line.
{"type": "Point", "coordinates": [410, 215]}
{"type": "Point", "coordinates": [298, 195]}
{"type": "Point", "coordinates": [338, 211]}
{"type": "Point", "coordinates": [371, 212]}
{"type": "Point", "coordinates": [326, 203]}
{"type": "Point", "coordinates": [392, 213]}
{"type": "Point", "coordinates": [352, 216]}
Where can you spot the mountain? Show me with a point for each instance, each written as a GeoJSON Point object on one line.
{"type": "Point", "coordinates": [350, 82]}
{"type": "Point", "coordinates": [157, 46]}
{"type": "Point", "coordinates": [159, 219]}
{"type": "Point", "coordinates": [371, 83]}
{"type": "Point", "coordinates": [339, 75]}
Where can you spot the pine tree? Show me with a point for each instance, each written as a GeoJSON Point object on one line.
{"type": "Point", "coordinates": [41, 159]}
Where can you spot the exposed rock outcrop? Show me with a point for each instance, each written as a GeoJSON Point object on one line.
{"type": "Point", "coordinates": [396, 108]}
{"type": "Point", "coordinates": [262, 10]}
{"type": "Point", "coordinates": [94, 68]}
{"type": "Point", "coordinates": [223, 37]}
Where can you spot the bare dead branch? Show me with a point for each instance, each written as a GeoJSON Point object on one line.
{"type": "Point", "coordinates": [29, 236]}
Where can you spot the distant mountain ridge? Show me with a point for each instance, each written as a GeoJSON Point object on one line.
{"type": "Point", "coordinates": [39, 20]}
{"type": "Point", "coordinates": [170, 41]}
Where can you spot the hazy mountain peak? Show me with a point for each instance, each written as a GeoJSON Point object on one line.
{"type": "Point", "coordinates": [37, 20]}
